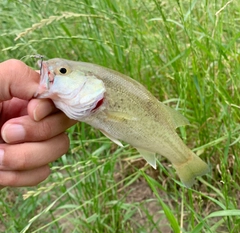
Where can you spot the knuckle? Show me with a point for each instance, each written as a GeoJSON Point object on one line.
{"type": "Point", "coordinates": [46, 172]}
{"type": "Point", "coordinates": [44, 130]}
{"type": "Point", "coordinates": [65, 143]}
{"type": "Point", "coordinates": [66, 140]}
{"type": "Point", "coordinates": [12, 179]}
{"type": "Point", "coordinates": [22, 163]}
{"type": "Point", "coordinates": [42, 174]}
{"type": "Point", "coordinates": [15, 64]}
{"type": "Point", "coordinates": [13, 160]}
{"type": "Point", "coordinates": [6, 161]}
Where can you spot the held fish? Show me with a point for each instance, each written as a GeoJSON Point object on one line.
{"type": "Point", "coordinates": [122, 109]}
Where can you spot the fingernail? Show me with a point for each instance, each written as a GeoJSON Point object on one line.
{"type": "Point", "coordinates": [43, 109]}
{"type": "Point", "coordinates": [13, 133]}
{"type": "Point", "coordinates": [1, 156]}
{"type": "Point", "coordinates": [35, 116]}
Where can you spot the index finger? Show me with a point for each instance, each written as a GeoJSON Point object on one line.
{"type": "Point", "coordinates": [17, 80]}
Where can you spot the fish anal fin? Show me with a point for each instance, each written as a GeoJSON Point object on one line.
{"type": "Point", "coordinates": [177, 118]}
{"type": "Point", "coordinates": [112, 138]}
{"type": "Point", "coordinates": [148, 156]}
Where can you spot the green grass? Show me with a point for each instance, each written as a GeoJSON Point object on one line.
{"type": "Point", "coordinates": [187, 54]}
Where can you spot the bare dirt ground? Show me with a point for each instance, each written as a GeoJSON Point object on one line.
{"type": "Point", "coordinates": [149, 215]}
{"type": "Point", "coordinates": [140, 192]}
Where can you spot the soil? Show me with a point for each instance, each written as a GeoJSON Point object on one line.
{"type": "Point", "coordinates": [140, 192]}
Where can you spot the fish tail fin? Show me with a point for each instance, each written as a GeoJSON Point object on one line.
{"type": "Point", "coordinates": [189, 170]}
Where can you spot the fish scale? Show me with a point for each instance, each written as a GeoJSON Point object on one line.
{"type": "Point", "coordinates": [127, 112]}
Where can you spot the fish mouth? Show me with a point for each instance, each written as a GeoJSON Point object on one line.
{"type": "Point", "coordinates": [46, 78]}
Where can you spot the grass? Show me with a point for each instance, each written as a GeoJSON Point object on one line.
{"type": "Point", "coordinates": [187, 54]}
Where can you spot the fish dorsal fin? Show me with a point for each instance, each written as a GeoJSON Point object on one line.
{"type": "Point", "coordinates": [176, 117]}
{"type": "Point", "coordinates": [112, 138]}
{"type": "Point", "coordinates": [148, 156]}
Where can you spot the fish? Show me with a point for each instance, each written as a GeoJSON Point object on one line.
{"type": "Point", "coordinates": [122, 109]}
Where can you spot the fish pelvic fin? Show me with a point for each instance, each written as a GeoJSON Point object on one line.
{"type": "Point", "coordinates": [189, 170]}
{"type": "Point", "coordinates": [116, 141]}
{"type": "Point", "coordinates": [148, 156]}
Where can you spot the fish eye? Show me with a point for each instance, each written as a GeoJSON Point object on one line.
{"type": "Point", "coordinates": [63, 70]}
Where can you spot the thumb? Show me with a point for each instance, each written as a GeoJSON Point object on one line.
{"type": "Point", "coordinates": [17, 80]}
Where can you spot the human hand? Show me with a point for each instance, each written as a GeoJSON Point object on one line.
{"type": "Point", "coordinates": [31, 129]}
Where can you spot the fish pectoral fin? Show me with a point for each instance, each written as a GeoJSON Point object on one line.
{"type": "Point", "coordinates": [148, 156]}
{"type": "Point", "coordinates": [120, 116]}
{"type": "Point", "coordinates": [112, 138]}
{"type": "Point", "coordinates": [177, 118]}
